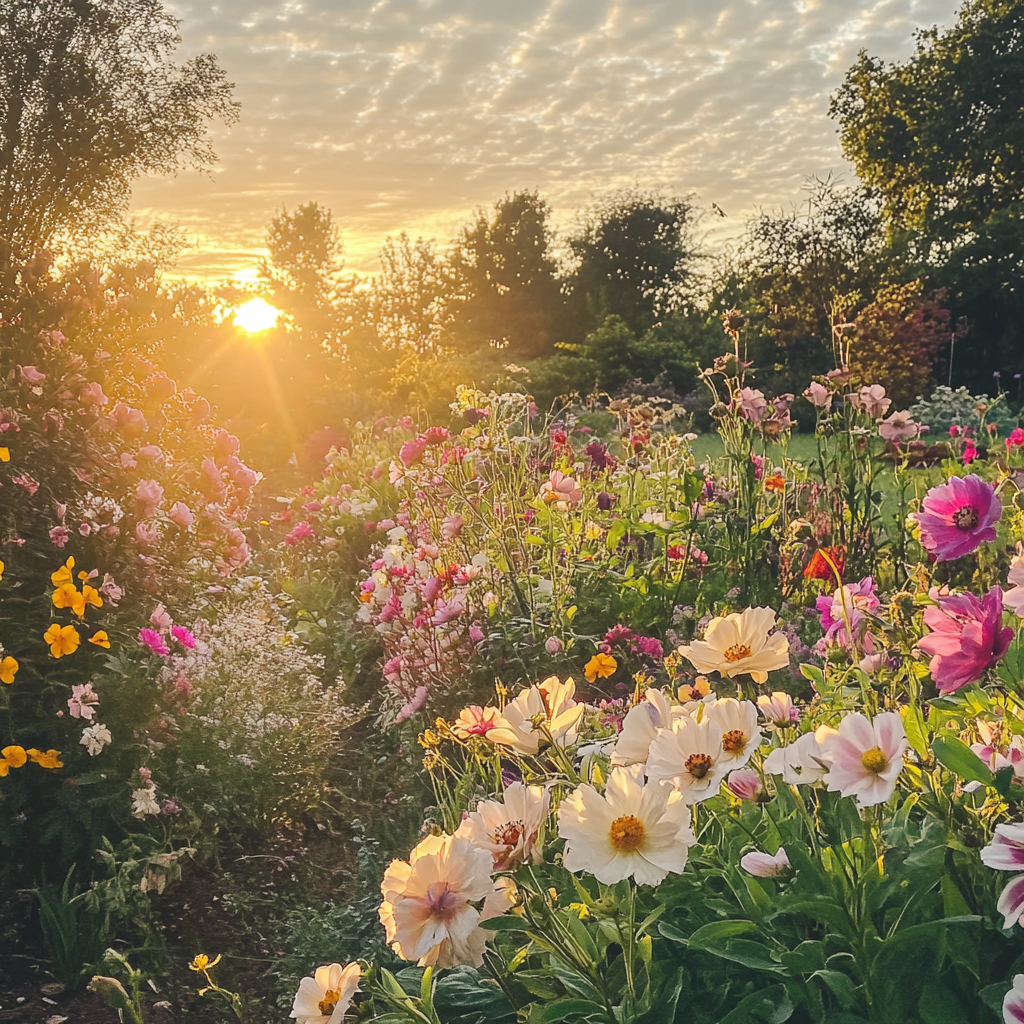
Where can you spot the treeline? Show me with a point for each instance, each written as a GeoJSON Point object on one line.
{"type": "Point", "coordinates": [917, 265]}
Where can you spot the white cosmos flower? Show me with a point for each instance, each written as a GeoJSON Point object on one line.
{"type": "Point", "coordinates": [740, 644]}
{"type": "Point", "coordinates": [741, 735]}
{"type": "Point", "coordinates": [641, 725]}
{"type": "Point", "coordinates": [801, 763]}
{"type": "Point", "coordinates": [690, 756]}
{"type": "Point", "coordinates": [508, 830]}
{"type": "Point", "coordinates": [324, 998]}
{"type": "Point", "coordinates": [550, 704]}
{"type": "Point", "coordinates": [634, 829]}
{"type": "Point", "coordinates": [429, 913]}
{"type": "Point", "coordinates": [865, 756]}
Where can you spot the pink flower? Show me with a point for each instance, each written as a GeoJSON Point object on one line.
{"type": "Point", "coordinates": [151, 451]}
{"type": "Point", "coordinates": [131, 422]}
{"type": "Point", "coordinates": [128, 461]}
{"type": "Point", "coordinates": [1016, 438]}
{"type": "Point", "coordinates": [412, 450]}
{"type": "Point", "coordinates": [211, 482]}
{"type": "Point", "coordinates": [451, 527]}
{"type": "Point", "coordinates": [778, 709]}
{"type": "Point", "coordinates": [967, 637]}
{"type": "Point", "coordinates": [148, 495]}
{"type": "Point", "coordinates": [110, 590]}
{"type": "Point", "coordinates": [436, 435]}
{"type": "Point", "coordinates": [303, 531]}
{"type": "Point", "coordinates": [1006, 850]}
{"type": "Point", "coordinates": [184, 637]}
{"type": "Point", "coordinates": [82, 702]}
{"type": "Point", "coordinates": [30, 375]}
{"type": "Point", "coordinates": [92, 394]}
{"type": "Point", "coordinates": [1013, 1002]}
{"type": "Point", "coordinates": [552, 645]}
{"type": "Point", "coordinates": [559, 487]}
{"type": "Point", "coordinates": [871, 400]}
{"type": "Point", "coordinates": [60, 535]}
{"type": "Point", "coordinates": [764, 865]}
{"type": "Point", "coordinates": [1014, 597]}
{"type": "Point", "coordinates": [147, 534]}
{"type": "Point", "coordinates": [957, 517]}
{"type": "Point", "coordinates": [27, 482]}
{"type": "Point", "coordinates": [180, 515]}
{"type": "Point", "coordinates": [852, 601]}
{"type": "Point", "coordinates": [154, 641]}
{"type": "Point", "coordinates": [818, 395]}
{"type": "Point", "coordinates": [970, 453]}
{"type": "Point", "coordinates": [752, 405]}
{"type": "Point", "coordinates": [865, 756]}
{"type": "Point", "coordinates": [746, 784]}
{"type": "Point", "coordinates": [161, 618]}
{"type": "Point", "coordinates": [898, 427]}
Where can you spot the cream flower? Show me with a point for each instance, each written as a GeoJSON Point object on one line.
{"type": "Point", "coordinates": [741, 735]}
{"type": "Point", "coordinates": [802, 763]}
{"type": "Point", "coordinates": [545, 709]}
{"type": "Point", "coordinates": [1014, 597]}
{"type": "Point", "coordinates": [429, 911]}
{"type": "Point", "coordinates": [324, 998]}
{"type": "Point", "coordinates": [641, 725]}
{"type": "Point", "coordinates": [865, 756]}
{"type": "Point", "coordinates": [634, 830]}
{"type": "Point", "coordinates": [690, 755]}
{"type": "Point", "coordinates": [739, 644]}
{"type": "Point", "coordinates": [509, 830]}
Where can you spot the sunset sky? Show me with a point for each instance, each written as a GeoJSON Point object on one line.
{"type": "Point", "coordinates": [408, 114]}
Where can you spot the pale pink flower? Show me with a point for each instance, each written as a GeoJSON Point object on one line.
{"type": "Point", "coordinates": [148, 495]}
{"type": "Point", "coordinates": [180, 515]}
{"type": "Point", "coordinates": [161, 618]}
{"type": "Point", "coordinates": [865, 756]}
{"type": "Point", "coordinates": [110, 590]}
{"type": "Point", "coordinates": [428, 911]}
{"type": "Point", "coordinates": [746, 784]}
{"type": "Point", "coordinates": [475, 721]}
{"type": "Point", "coordinates": [871, 399]}
{"type": "Point", "coordinates": [451, 527]}
{"type": "Point", "coordinates": [30, 375]}
{"type": "Point", "coordinates": [151, 451]}
{"type": "Point", "coordinates": [509, 829]}
{"type": "Point", "coordinates": [752, 404]}
{"type": "Point", "coordinates": [561, 488]}
{"type": "Point", "coordinates": [778, 709]}
{"type": "Point", "coordinates": [60, 535]}
{"type": "Point", "coordinates": [147, 534]}
{"type": "Point", "coordinates": [764, 865]}
{"type": "Point", "coordinates": [818, 395]}
{"type": "Point", "coordinates": [83, 701]}
{"type": "Point", "coordinates": [552, 645]}
{"type": "Point", "coordinates": [898, 427]}
{"type": "Point", "coordinates": [92, 395]}
{"type": "Point", "coordinates": [128, 461]}
{"type": "Point", "coordinates": [1014, 597]}
{"type": "Point", "coordinates": [1013, 1002]}
{"type": "Point", "coordinates": [1006, 850]}
{"type": "Point", "coordinates": [1011, 901]}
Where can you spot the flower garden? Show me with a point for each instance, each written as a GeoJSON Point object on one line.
{"type": "Point", "coordinates": [577, 719]}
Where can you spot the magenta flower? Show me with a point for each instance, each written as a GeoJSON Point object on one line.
{"type": "Point", "coordinates": [184, 637]}
{"type": "Point", "coordinates": [1016, 438]}
{"type": "Point", "coordinates": [958, 516]}
{"type": "Point", "coordinates": [1006, 853]}
{"type": "Point", "coordinates": [967, 637]}
{"type": "Point", "coordinates": [154, 641]}
{"type": "Point", "coordinates": [851, 602]}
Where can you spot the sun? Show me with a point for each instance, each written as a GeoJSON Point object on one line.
{"type": "Point", "coordinates": [256, 315]}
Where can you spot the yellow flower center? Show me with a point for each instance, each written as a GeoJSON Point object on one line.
{"type": "Point", "coordinates": [698, 765]}
{"type": "Point", "coordinates": [627, 834]}
{"type": "Point", "coordinates": [734, 741]}
{"type": "Point", "coordinates": [329, 1002]}
{"type": "Point", "coordinates": [874, 760]}
{"type": "Point", "coordinates": [737, 652]}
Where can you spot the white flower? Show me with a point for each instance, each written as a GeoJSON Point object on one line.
{"type": "Point", "coordinates": [741, 735]}
{"type": "Point", "coordinates": [144, 802]}
{"type": "Point", "coordinates": [634, 830]}
{"type": "Point", "coordinates": [95, 738]}
{"type": "Point", "coordinates": [547, 708]}
{"type": "Point", "coordinates": [764, 865]}
{"type": "Point", "coordinates": [428, 911]}
{"type": "Point", "coordinates": [508, 830]}
{"type": "Point", "coordinates": [690, 755]}
{"type": "Point", "coordinates": [800, 764]}
{"type": "Point", "coordinates": [324, 998]}
{"type": "Point", "coordinates": [865, 756]}
{"type": "Point", "coordinates": [641, 725]}
{"type": "Point", "coordinates": [740, 644]}
{"type": "Point", "coordinates": [1014, 598]}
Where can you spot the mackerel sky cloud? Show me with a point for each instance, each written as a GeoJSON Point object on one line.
{"type": "Point", "coordinates": [408, 114]}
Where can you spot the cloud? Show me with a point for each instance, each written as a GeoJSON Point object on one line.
{"type": "Point", "coordinates": [407, 114]}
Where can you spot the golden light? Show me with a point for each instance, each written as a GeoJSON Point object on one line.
{"type": "Point", "coordinates": [256, 315]}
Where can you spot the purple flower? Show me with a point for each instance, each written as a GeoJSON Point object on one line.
{"type": "Point", "coordinates": [184, 637]}
{"type": "Point", "coordinates": [605, 501]}
{"type": "Point", "coordinates": [856, 599]}
{"type": "Point", "coordinates": [154, 641]}
{"type": "Point", "coordinates": [958, 516]}
{"type": "Point", "coordinates": [967, 637]}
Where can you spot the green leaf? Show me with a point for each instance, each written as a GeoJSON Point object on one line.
{"type": "Point", "coordinates": [716, 932]}
{"type": "Point", "coordinates": [506, 923]}
{"type": "Point", "coordinates": [916, 730]}
{"type": "Point", "coordinates": [955, 755]}
{"type": "Point", "coordinates": [565, 1009]}
{"type": "Point", "coordinates": [815, 675]}
{"type": "Point", "coordinates": [754, 955]}
{"type": "Point", "coordinates": [807, 958]}
{"type": "Point", "coordinates": [770, 1006]}
{"type": "Point", "coordinates": [938, 1005]}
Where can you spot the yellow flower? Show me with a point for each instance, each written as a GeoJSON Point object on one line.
{"type": "Point", "coordinates": [8, 670]}
{"type": "Point", "coordinates": [11, 757]}
{"type": "Point", "coordinates": [63, 574]}
{"type": "Point", "coordinates": [90, 595]}
{"type": "Point", "coordinates": [45, 759]}
{"type": "Point", "coordinates": [600, 666]}
{"type": "Point", "coordinates": [62, 640]}
{"type": "Point", "coordinates": [100, 639]}
{"type": "Point", "coordinates": [2, 567]}
{"type": "Point", "coordinates": [67, 596]}
{"type": "Point", "coordinates": [5, 454]}
{"type": "Point", "coordinates": [201, 962]}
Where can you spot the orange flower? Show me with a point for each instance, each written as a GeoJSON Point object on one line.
{"type": "Point", "coordinates": [62, 640]}
{"type": "Point", "coordinates": [100, 639]}
{"type": "Point", "coordinates": [67, 596]}
{"type": "Point", "coordinates": [45, 759]}
{"type": "Point", "coordinates": [600, 666]}
{"type": "Point", "coordinates": [2, 567]}
{"type": "Point", "coordinates": [11, 757]}
{"type": "Point", "coordinates": [826, 564]}
{"type": "Point", "coordinates": [8, 670]}
{"type": "Point", "coordinates": [5, 456]}
{"type": "Point", "coordinates": [775, 484]}
{"type": "Point", "coordinates": [63, 574]}
{"type": "Point", "coordinates": [90, 595]}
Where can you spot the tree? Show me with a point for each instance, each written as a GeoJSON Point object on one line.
{"type": "Point", "coordinates": [507, 278]}
{"type": "Point", "coordinates": [89, 101]}
{"type": "Point", "coordinates": [940, 137]}
{"type": "Point", "coordinates": [633, 251]}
